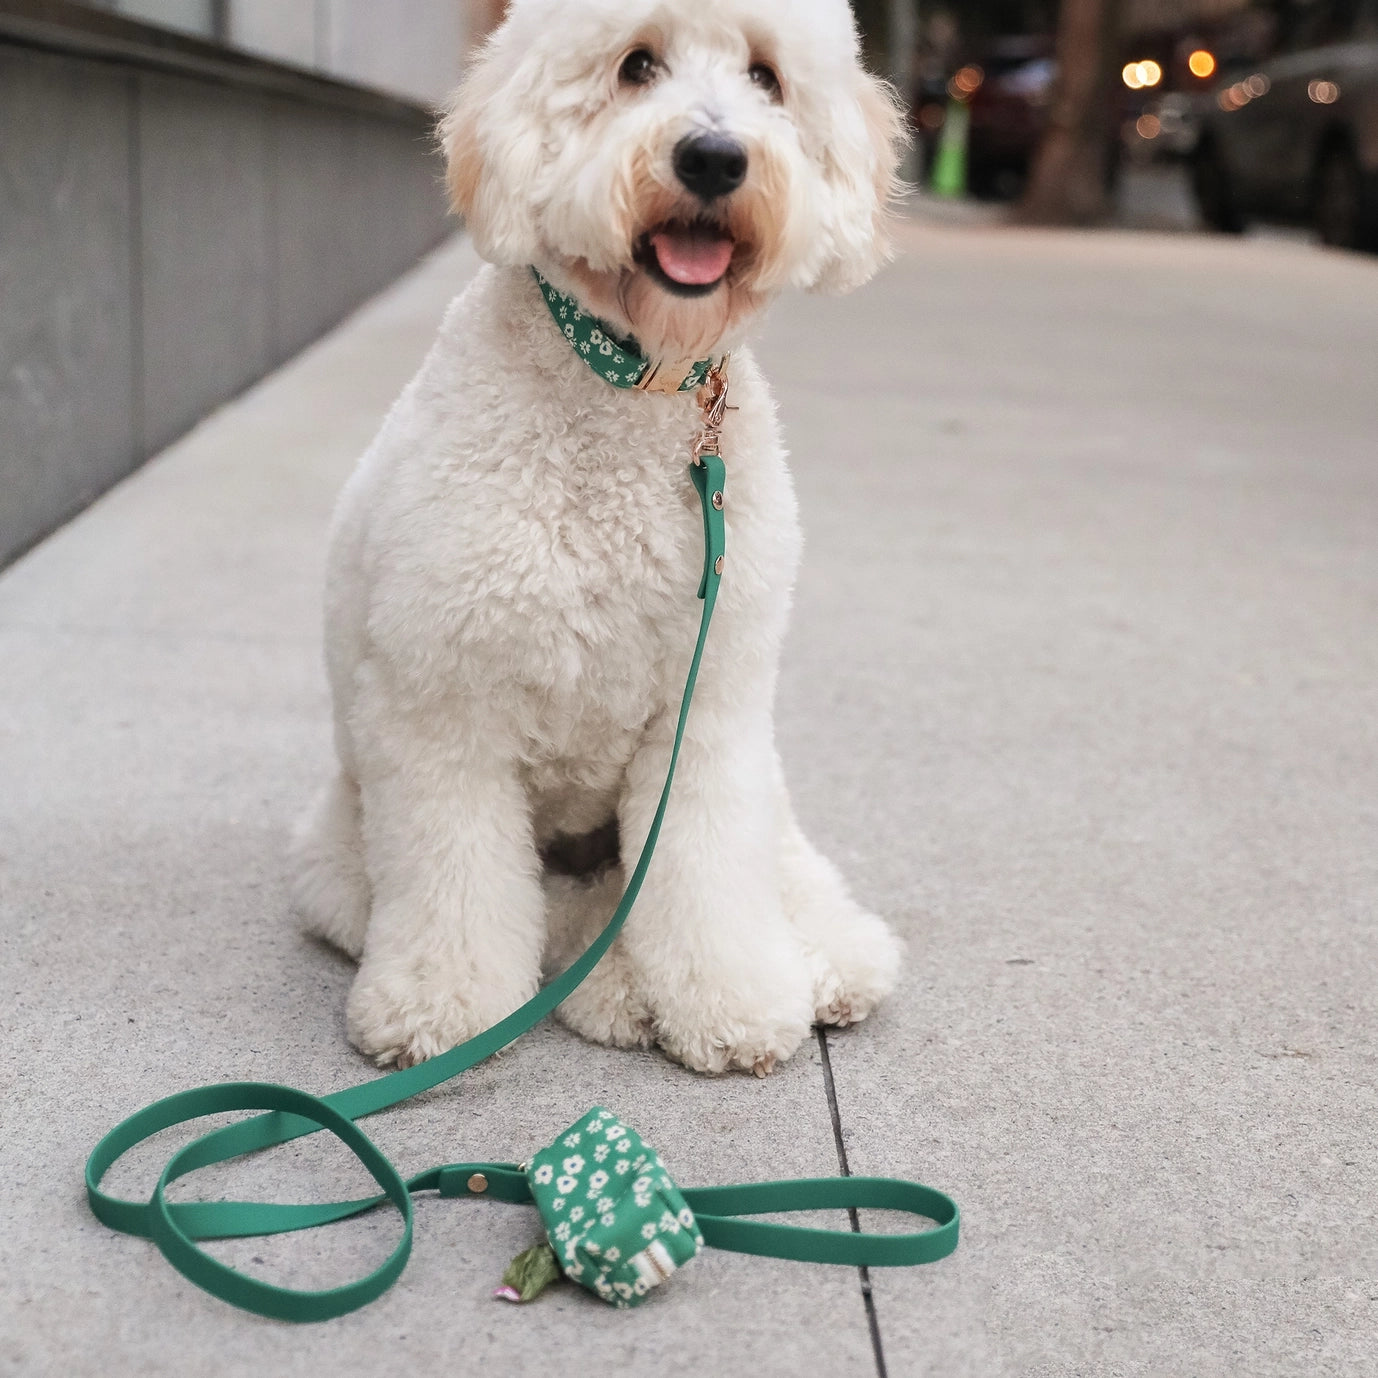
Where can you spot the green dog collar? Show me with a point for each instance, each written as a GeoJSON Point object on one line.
{"type": "Point", "coordinates": [615, 360]}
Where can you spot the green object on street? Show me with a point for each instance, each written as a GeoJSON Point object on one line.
{"type": "Point", "coordinates": [950, 165]}
{"type": "Point", "coordinates": [652, 1225]}
{"type": "Point", "coordinates": [616, 1221]}
{"type": "Point", "coordinates": [529, 1274]}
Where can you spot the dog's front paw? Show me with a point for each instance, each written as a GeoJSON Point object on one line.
{"type": "Point", "coordinates": [606, 1009]}
{"type": "Point", "coordinates": [728, 1042]}
{"type": "Point", "coordinates": [399, 1019]}
{"type": "Point", "coordinates": [749, 1024]}
{"type": "Point", "coordinates": [854, 967]}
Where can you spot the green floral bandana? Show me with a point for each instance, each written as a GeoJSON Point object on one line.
{"type": "Point", "coordinates": [614, 360]}
{"type": "Point", "coordinates": [616, 1221]}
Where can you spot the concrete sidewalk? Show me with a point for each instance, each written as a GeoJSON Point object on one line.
{"type": "Point", "coordinates": [1082, 692]}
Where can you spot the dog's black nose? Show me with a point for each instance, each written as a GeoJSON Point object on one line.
{"type": "Point", "coordinates": [710, 165]}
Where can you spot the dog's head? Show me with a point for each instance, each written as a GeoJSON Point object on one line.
{"type": "Point", "coordinates": [674, 163]}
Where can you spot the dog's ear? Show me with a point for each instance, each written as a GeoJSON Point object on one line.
{"type": "Point", "coordinates": [485, 154]}
{"type": "Point", "coordinates": [861, 167]}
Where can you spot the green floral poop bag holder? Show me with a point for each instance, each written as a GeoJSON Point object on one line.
{"type": "Point", "coordinates": [615, 1222]}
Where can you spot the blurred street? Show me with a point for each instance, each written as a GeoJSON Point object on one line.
{"type": "Point", "coordinates": [1081, 692]}
{"type": "Point", "coordinates": [1154, 196]}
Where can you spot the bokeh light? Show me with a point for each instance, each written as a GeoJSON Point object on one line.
{"type": "Point", "coordinates": [1138, 75]}
{"type": "Point", "coordinates": [1201, 63]}
{"type": "Point", "coordinates": [967, 81]}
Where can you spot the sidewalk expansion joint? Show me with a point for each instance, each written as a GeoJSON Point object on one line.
{"type": "Point", "coordinates": [867, 1295]}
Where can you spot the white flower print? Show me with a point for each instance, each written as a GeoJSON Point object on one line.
{"type": "Point", "coordinates": [597, 1182]}
{"type": "Point", "coordinates": [558, 1204]}
{"type": "Point", "coordinates": [615, 1131]}
{"type": "Point", "coordinates": [592, 1126]}
{"type": "Point", "coordinates": [622, 1166]}
{"type": "Point", "coordinates": [595, 336]}
{"type": "Point", "coordinates": [576, 1213]}
{"type": "Point", "coordinates": [648, 1230]}
{"type": "Point", "coordinates": [668, 1223]}
{"type": "Point", "coordinates": [572, 1140]}
{"type": "Point", "coordinates": [626, 1147]}
{"type": "Point", "coordinates": [575, 1270]}
{"type": "Point", "coordinates": [642, 1184]}
{"type": "Point", "coordinates": [605, 1205]}
{"type": "Point", "coordinates": [623, 1289]}
{"type": "Point", "coordinates": [544, 1173]}
{"type": "Point", "coordinates": [613, 1254]}
{"type": "Point", "coordinates": [565, 1185]}
{"type": "Point", "coordinates": [562, 1231]}
{"type": "Point", "coordinates": [591, 1247]}
{"type": "Point", "coordinates": [608, 1220]}
{"type": "Point", "coordinates": [573, 1164]}
{"type": "Point", "coordinates": [686, 1218]}
{"type": "Point", "coordinates": [643, 1201]}
{"type": "Point", "coordinates": [641, 1287]}
{"type": "Point", "coordinates": [601, 1152]}
{"type": "Point", "coordinates": [605, 348]}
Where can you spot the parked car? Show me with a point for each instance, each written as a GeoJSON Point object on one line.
{"type": "Point", "coordinates": [1294, 138]}
{"type": "Point", "coordinates": [1008, 112]}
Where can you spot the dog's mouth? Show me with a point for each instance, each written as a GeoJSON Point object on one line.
{"type": "Point", "coordinates": [688, 258]}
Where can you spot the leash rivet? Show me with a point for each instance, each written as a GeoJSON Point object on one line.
{"type": "Point", "coordinates": [717, 565]}
{"type": "Point", "coordinates": [478, 1182]}
{"type": "Point", "coordinates": [717, 501]}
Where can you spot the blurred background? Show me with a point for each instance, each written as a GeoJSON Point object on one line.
{"type": "Point", "coordinates": [192, 190]}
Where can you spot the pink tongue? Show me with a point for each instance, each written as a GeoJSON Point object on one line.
{"type": "Point", "coordinates": [691, 257]}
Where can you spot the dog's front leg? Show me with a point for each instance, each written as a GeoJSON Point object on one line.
{"type": "Point", "coordinates": [715, 958]}
{"type": "Point", "coordinates": [454, 940]}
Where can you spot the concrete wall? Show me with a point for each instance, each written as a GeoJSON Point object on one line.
{"type": "Point", "coordinates": [410, 48]}
{"type": "Point", "coordinates": [165, 240]}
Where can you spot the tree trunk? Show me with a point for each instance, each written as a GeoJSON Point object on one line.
{"type": "Point", "coordinates": [484, 17]}
{"type": "Point", "coordinates": [1072, 171]}
{"type": "Point", "coordinates": [873, 19]}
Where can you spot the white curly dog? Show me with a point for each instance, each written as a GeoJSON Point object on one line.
{"type": "Point", "coordinates": [511, 588]}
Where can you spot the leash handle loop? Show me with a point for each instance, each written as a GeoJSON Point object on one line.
{"type": "Point", "coordinates": [716, 1209]}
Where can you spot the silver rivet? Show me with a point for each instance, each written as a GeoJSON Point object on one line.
{"type": "Point", "coordinates": [717, 501]}
{"type": "Point", "coordinates": [478, 1182]}
{"type": "Point", "coordinates": [717, 565]}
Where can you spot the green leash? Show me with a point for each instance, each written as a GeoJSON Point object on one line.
{"type": "Point", "coordinates": [640, 1227]}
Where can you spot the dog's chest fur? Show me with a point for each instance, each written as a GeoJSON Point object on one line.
{"type": "Point", "coordinates": [523, 545]}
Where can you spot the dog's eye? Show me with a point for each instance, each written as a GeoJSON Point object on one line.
{"type": "Point", "coordinates": [763, 75]}
{"type": "Point", "coordinates": [638, 67]}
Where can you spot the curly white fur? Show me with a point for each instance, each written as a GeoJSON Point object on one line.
{"type": "Point", "coordinates": [510, 596]}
